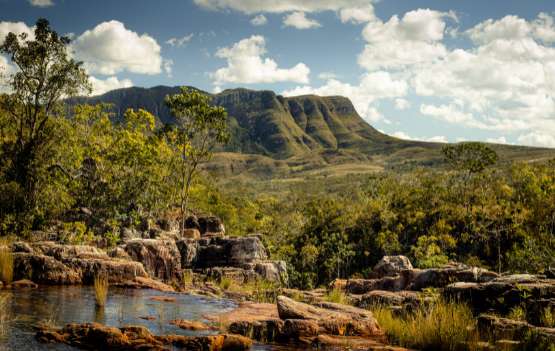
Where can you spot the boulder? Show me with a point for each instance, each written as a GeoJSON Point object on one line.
{"type": "Point", "coordinates": [392, 265]}
{"type": "Point", "coordinates": [116, 270]}
{"type": "Point", "coordinates": [498, 328]}
{"type": "Point", "coordinates": [188, 250]}
{"type": "Point", "coordinates": [192, 222]}
{"type": "Point", "coordinates": [22, 284]}
{"type": "Point", "coordinates": [190, 325]}
{"type": "Point", "coordinates": [272, 271]}
{"type": "Point", "coordinates": [21, 246]}
{"type": "Point", "coordinates": [210, 224]}
{"type": "Point", "coordinates": [387, 298]}
{"type": "Point", "coordinates": [62, 252]}
{"type": "Point", "coordinates": [191, 233]}
{"type": "Point", "coordinates": [160, 258]}
{"type": "Point", "coordinates": [44, 269]}
{"type": "Point", "coordinates": [238, 275]}
{"type": "Point", "coordinates": [230, 252]}
{"type": "Point", "coordinates": [440, 277]}
{"type": "Point", "coordinates": [94, 336]}
{"type": "Point", "coordinates": [331, 318]}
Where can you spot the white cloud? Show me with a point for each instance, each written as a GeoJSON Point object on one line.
{"type": "Point", "coordinates": [434, 139]}
{"type": "Point", "coordinates": [400, 42]}
{"type": "Point", "coordinates": [498, 140]}
{"type": "Point", "coordinates": [371, 88]}
{"type": "Point", "coordinates": [110, 48]}
{"type": "Point", "coordinates": [101, 86]}
{"type": "Point", "coordinates": [357, 15]}
{"type": "Point", "coordinates": [246, 65]}
{"type": "Point", "coordinates": [180, 41]}
{"type": "Point", "coordinates": [41, 3]}
{"type": "Point", "coordinates": [5, 70]}
{"type": "Point", "coordinates": [537, 139]}
{"type": "Point", "coordinates": [300, 21]}
{"type": "Point", "coordinates": [259, 20]}
{"type": "Point", "coordinates": [17, 28]}
{"type": "Point", "coordinates": [402, 104]}
{"type": "Point", "coordinates": [509, 27]}
{"type": "Point", "coordinates": [327, 75]}
{"type": "Point", "coordinates": [280, 6]}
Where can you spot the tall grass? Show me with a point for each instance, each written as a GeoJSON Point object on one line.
{"type": "Point", "coordinates": [6, 264]}
{"type": "Point", "coordinates": [100, 290]}
{"type": "Point", "coordinates": [259, 290]}
{"type": "Point", "coordinates": [441, 326]}
{"type": "Point", "coordinates": [337, 295]}
{"type": "Point", "coordinates": [5, 316]}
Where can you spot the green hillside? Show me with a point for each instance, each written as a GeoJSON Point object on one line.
{"type": "Point", "coordinates": [273, 136]}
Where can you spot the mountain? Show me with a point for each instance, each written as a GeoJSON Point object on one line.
{"type": "Point", "coordinates": [274, 135]}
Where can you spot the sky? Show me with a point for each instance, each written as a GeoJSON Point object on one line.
{"type": "Point", "coordinates": [435, 70]}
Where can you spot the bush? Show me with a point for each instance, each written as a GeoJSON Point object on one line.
{"type": "Point", "coordinates": [442, 326]}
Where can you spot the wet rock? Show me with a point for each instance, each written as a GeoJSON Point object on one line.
{"type": "Point", "coordinates": [160, 258]}
{"type": "Point", "coordinates": [190, 325]}
{"type": "Point", "coordinates": [22, 284]}
{"type": "Point", "coordinates": [44, 269]}
{"type": "Point", "coordinates": [392, 265]}
{"type": "Point", "coordinates": [100, 337]}
{"type": "Point", "coordinates": [145, 283]}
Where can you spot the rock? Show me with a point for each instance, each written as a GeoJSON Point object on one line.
{"type": "Point", "coordinates": [351, 343]}
{"type": "Point", "coordinates": [502, 328]}
{"type": "Point", "coordinates": [44, 269]}
{"type": "Point", "coordinates": [362, 286]}
{"type": "Point", "coordinates": [168, 225]}
{"type": "Point", "coordinates": [119, 252]}
{"type": "Point", "coordinates": [211, 225]}
{"type": "Point", "coordinates": [63, 252]}
{"type": "Point", "coordinates": [231, 252]}
{"type": "Point", "coordinates": [22, 284]}
{"type": "Point", "coordinates": [22, 247]}
{"type": "Point", "coordinates": [440, 277]}
{"type": "Point", "coordinates": [272, 271]}
{"type": "Point", "coordinates": [332, 318]}
{"type": "Point", "coordinates": [130, 234]}
{"type": "Point", "coordinates": [160, 258]}
{"type": "Point", "coordinates": [192, 223]}
{"type": "Point", "coordinates": [238, 275]}
{"type": "Point", "coordinates": [392, 265]}
{"type": "Point", "coordinates": [190, 325]}
{"type": "Point", "coordinates": [191, 233]}
{"type": "Point", "coordinates": [188, 250]}
{"type": "Point", "coordinates": [145, 283]}
{"type": "Point", "coordinates": [96, 336]}
{"type": "Point", "coordinates": [116, 270]}
{"type": "Point", "coordinates": [387, 298]}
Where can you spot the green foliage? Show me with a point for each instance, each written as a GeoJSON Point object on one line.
{"type": "Point", "coordinates": [470, 156]}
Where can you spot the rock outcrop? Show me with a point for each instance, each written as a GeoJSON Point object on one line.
{"type": "Point", "coordinates": [94, 336]}
{"type": "Point", "coordinates": [392, 265]}
{"type": "Point", "coordinates": [161, 258]}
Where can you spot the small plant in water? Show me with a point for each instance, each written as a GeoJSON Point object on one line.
{"type": "Point", "coordinates": [6, 264]}
{"type": "Point", "coordinates": [100, 290]}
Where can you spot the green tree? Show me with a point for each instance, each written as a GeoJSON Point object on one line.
{"type": "Point", "coordinates": [45, 74]}
{"type": "Point", "coordinates": [199, 128]}
{"type": "Point", "coordinates": [471, 157]}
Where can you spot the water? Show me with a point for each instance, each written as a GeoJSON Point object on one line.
{"type": "Point", "coordinates": [61, 305]}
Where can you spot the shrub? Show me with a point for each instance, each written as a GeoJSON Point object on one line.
{"type": "Point", "coordinates": [442, 326]}
{"type": "Point", "coordinates": [336, 295]}
{"type": "Point", "coordinates": [100, 290]}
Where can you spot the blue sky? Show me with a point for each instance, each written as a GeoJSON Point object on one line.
{"type": "Point", "coordinates": [424, 69]}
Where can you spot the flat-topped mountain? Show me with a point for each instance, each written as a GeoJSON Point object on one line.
{"type": "Point", "coordinates": [271, 133]}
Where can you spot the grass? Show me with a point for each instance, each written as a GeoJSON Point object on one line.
{"type": "Point", "coordinates": [5, 317]}
{"type": "Point", "coordinates": [6, 264]}
{"type": "Point", "coordinates": [259, 290]}
{"type": "Point", "coordinates": [337, 295]}
{"type": "Point", "coordinates": [100, 290]}
{"type": "Point", "coordinates": [441, 326]}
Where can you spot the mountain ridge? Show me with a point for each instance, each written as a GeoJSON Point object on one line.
{"type": "Point", "coordinates": [296, 134]}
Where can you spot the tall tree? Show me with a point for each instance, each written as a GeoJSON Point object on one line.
{"type": "Point", "coordinates": [199, 128]}
{"type": "Point", "coordinates": [44, 75]}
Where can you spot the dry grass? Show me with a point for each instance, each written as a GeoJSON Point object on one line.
{"type": "Point", "coordinates": [337, 295]}
{"type": "Point", "coordinates": [5, 316]}
{"type": "Point", "coordinates": [442, 326]}
{"type": "Point", "coordinates": [101, 290]}
{"type": "Point", "coordinates": [258, 291]}
{"type": "Point", "coordinates": [6, 264]}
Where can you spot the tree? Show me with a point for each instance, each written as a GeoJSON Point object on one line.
{"type": "Point", "coordinates": [470, 157]}
{"type": "Point", "coordinates": [44, 75]}
{"type": "Point", "coordinates": [199, 128]}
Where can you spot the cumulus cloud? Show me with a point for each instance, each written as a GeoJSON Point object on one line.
{"type": "Point", "coordinates": [110, 48]}
{"type": "Point", "coordinates": [180, 41]}
{"type": "Point", "coordinates": [17, 28]}
{"type": "Point", "coordinates": [41, 3]}
{"type": "Point", "coordinates": [357, 15]}
{"type": "Point", "coordinates": [101, 86]}
{"type": "Point", "coordinates": [300, 21]}
{"type": "Point", "coordinates": [400, 42]}
{"type": "Point", "coordinates": [402, 104]}
{"type": "Point", "coordinates": [537, 139]}
{"type": "Point", "coordinates": [259, 20]}
{"type": "Point", "coordinates": [246, 64]}
{"type": "Point", "coordinates": [280, 6]}
{"type": "Point", "coordinates": [327, 75]}
{"type": "Point", "coordinates": [371, 88]}
{"type": "Point", "coordinates": [434, 139]}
